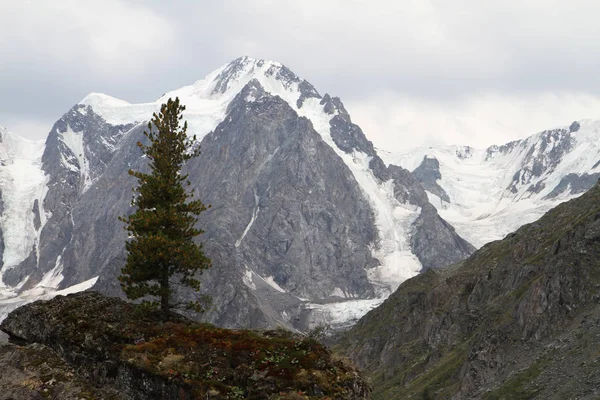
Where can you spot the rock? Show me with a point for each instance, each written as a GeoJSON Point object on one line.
{"type": "Point", "coordinates": [111, 347]}
{"type": "Point", "coordinates": [428, 173]}
{"type": "Point", "coordinates": [574, 127]}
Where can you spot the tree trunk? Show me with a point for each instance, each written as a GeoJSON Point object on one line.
{"type": "Point", "coordinates": [164, 295]}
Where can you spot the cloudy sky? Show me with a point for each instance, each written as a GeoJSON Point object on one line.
{"type": "Point", "coordinates": [411, 72]}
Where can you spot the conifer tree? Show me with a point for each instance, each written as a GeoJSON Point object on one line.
{"type": "Point", "coordinates": [162, 228]}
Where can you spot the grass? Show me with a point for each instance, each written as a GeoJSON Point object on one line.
{"type": "Point", "coordinates": [224, 360]}
{"type": "Point", "coordinates": [518, 387]}
{"type": "Point", "coordinates": [435, 381]}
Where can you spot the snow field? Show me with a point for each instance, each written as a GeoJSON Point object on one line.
{"type": "Point", "coordinates": [481, 207]}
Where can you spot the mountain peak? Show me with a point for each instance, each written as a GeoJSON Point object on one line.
{"type": "Point", "coordinates": [244, 67]}
{"type": "Point", "coordinates": [227, 81]}
{"type": "Point", "coordinates": [206, 100]}
{"type": "Point", "coordinates": [102, 100]}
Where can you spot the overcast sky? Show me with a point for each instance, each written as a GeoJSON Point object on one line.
{"type": "Point", "coordinates": [409, 72]}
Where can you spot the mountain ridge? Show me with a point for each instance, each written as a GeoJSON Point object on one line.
{"type": "Point", "coordinates": [342, 270]}
{"type": "Point", "coordinates": [488, 193]}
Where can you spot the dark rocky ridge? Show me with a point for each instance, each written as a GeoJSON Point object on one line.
{"type": "Point", "coordinates": [518, 319]}
{"type": "Point", "coordinates": [96, 347]}
{"type": "Point", "coordinates": [428, 173]}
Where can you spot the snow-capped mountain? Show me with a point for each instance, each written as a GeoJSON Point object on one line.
{"type": "Point", "coordinates": [308, 225]}
{"type": "Point", "coordinates": [487, 193]}
{"type": "Point", "coordinates": [22, 184]}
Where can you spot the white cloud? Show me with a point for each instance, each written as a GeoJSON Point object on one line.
{"type": "Point", "coordinates": [422, 47]}
{"type": "Point", "coordinates": [112, 37]}
{"type": "Point", "coordinates": [27, 127]}
{"type": "Point", "coordinates": [394, 123]}
{"type": "Point", "coordinates": [465, 69]}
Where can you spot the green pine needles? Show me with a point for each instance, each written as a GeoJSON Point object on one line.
{"type": "Point", "coordinates": [162, 228]}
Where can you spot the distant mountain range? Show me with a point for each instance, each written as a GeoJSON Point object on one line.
{"type": "Point", "coordinates": [309, 223]}
{"type": "Point", "coordinates": [487, 193]}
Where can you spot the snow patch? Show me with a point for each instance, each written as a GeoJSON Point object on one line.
{"type": "Point", "coordinates": [340, 315]}
{"type": "Point", "coordinates": [271, 281]}
{"type": "Point", "coordinates": [54, 277]}
{"type": "Point", "coordinates": [9, 304]}
{"type": "Point", "coordinates": [247, 279]}
{"type": "Point", "coordinates": [74, 141]}
{"type": "Point", "coordinates": [436, 201]}
{"type": "Point", "coordinates": [254, 215]}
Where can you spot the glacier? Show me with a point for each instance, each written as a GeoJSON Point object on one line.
{"type": "Point", "coordinates": [493, 192]}
{"type": "Point", "coordinates": [22, 182]}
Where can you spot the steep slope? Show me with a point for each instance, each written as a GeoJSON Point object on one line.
{"type": "Point", "coordinates": [518, 319]}
{"type": "Point", "coordinates": [76, 153]}
{"type": "Point", "coordinates": [486, 194]}
{"type": "Point", "coordinates": [41, 183]}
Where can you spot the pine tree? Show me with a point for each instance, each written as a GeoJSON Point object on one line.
{"type": "Point", "coordinates": [162, 228]}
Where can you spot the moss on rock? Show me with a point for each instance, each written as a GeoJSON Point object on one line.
{"type": "Point", "coordinates": [110, 344]}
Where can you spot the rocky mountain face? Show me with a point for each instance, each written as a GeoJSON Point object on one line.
{"type": "Point", "coordinates": [86, 345]}
{"type": "Point", "coordinates": [307, 225]}
{"type": "Point", "coordinates": [520, 318]}
{"type": "Point", "coordinates": [77, 152]}
{"type": "Point", "coordinates": [488, 193]}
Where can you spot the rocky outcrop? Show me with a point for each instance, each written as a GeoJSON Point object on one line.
{"type": "Point", "coordinates": [574, 184]}
{"type": "Point", "coordinates": [518, 319]}
{"type": "Point", "coordinates": [428, 173]}
{"type": "Point", "coordinates": [543, 156]}
{"type": "Point", "coordinates": [103, 345]}
{"type": "Point", "coordinates": [435, 241]}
